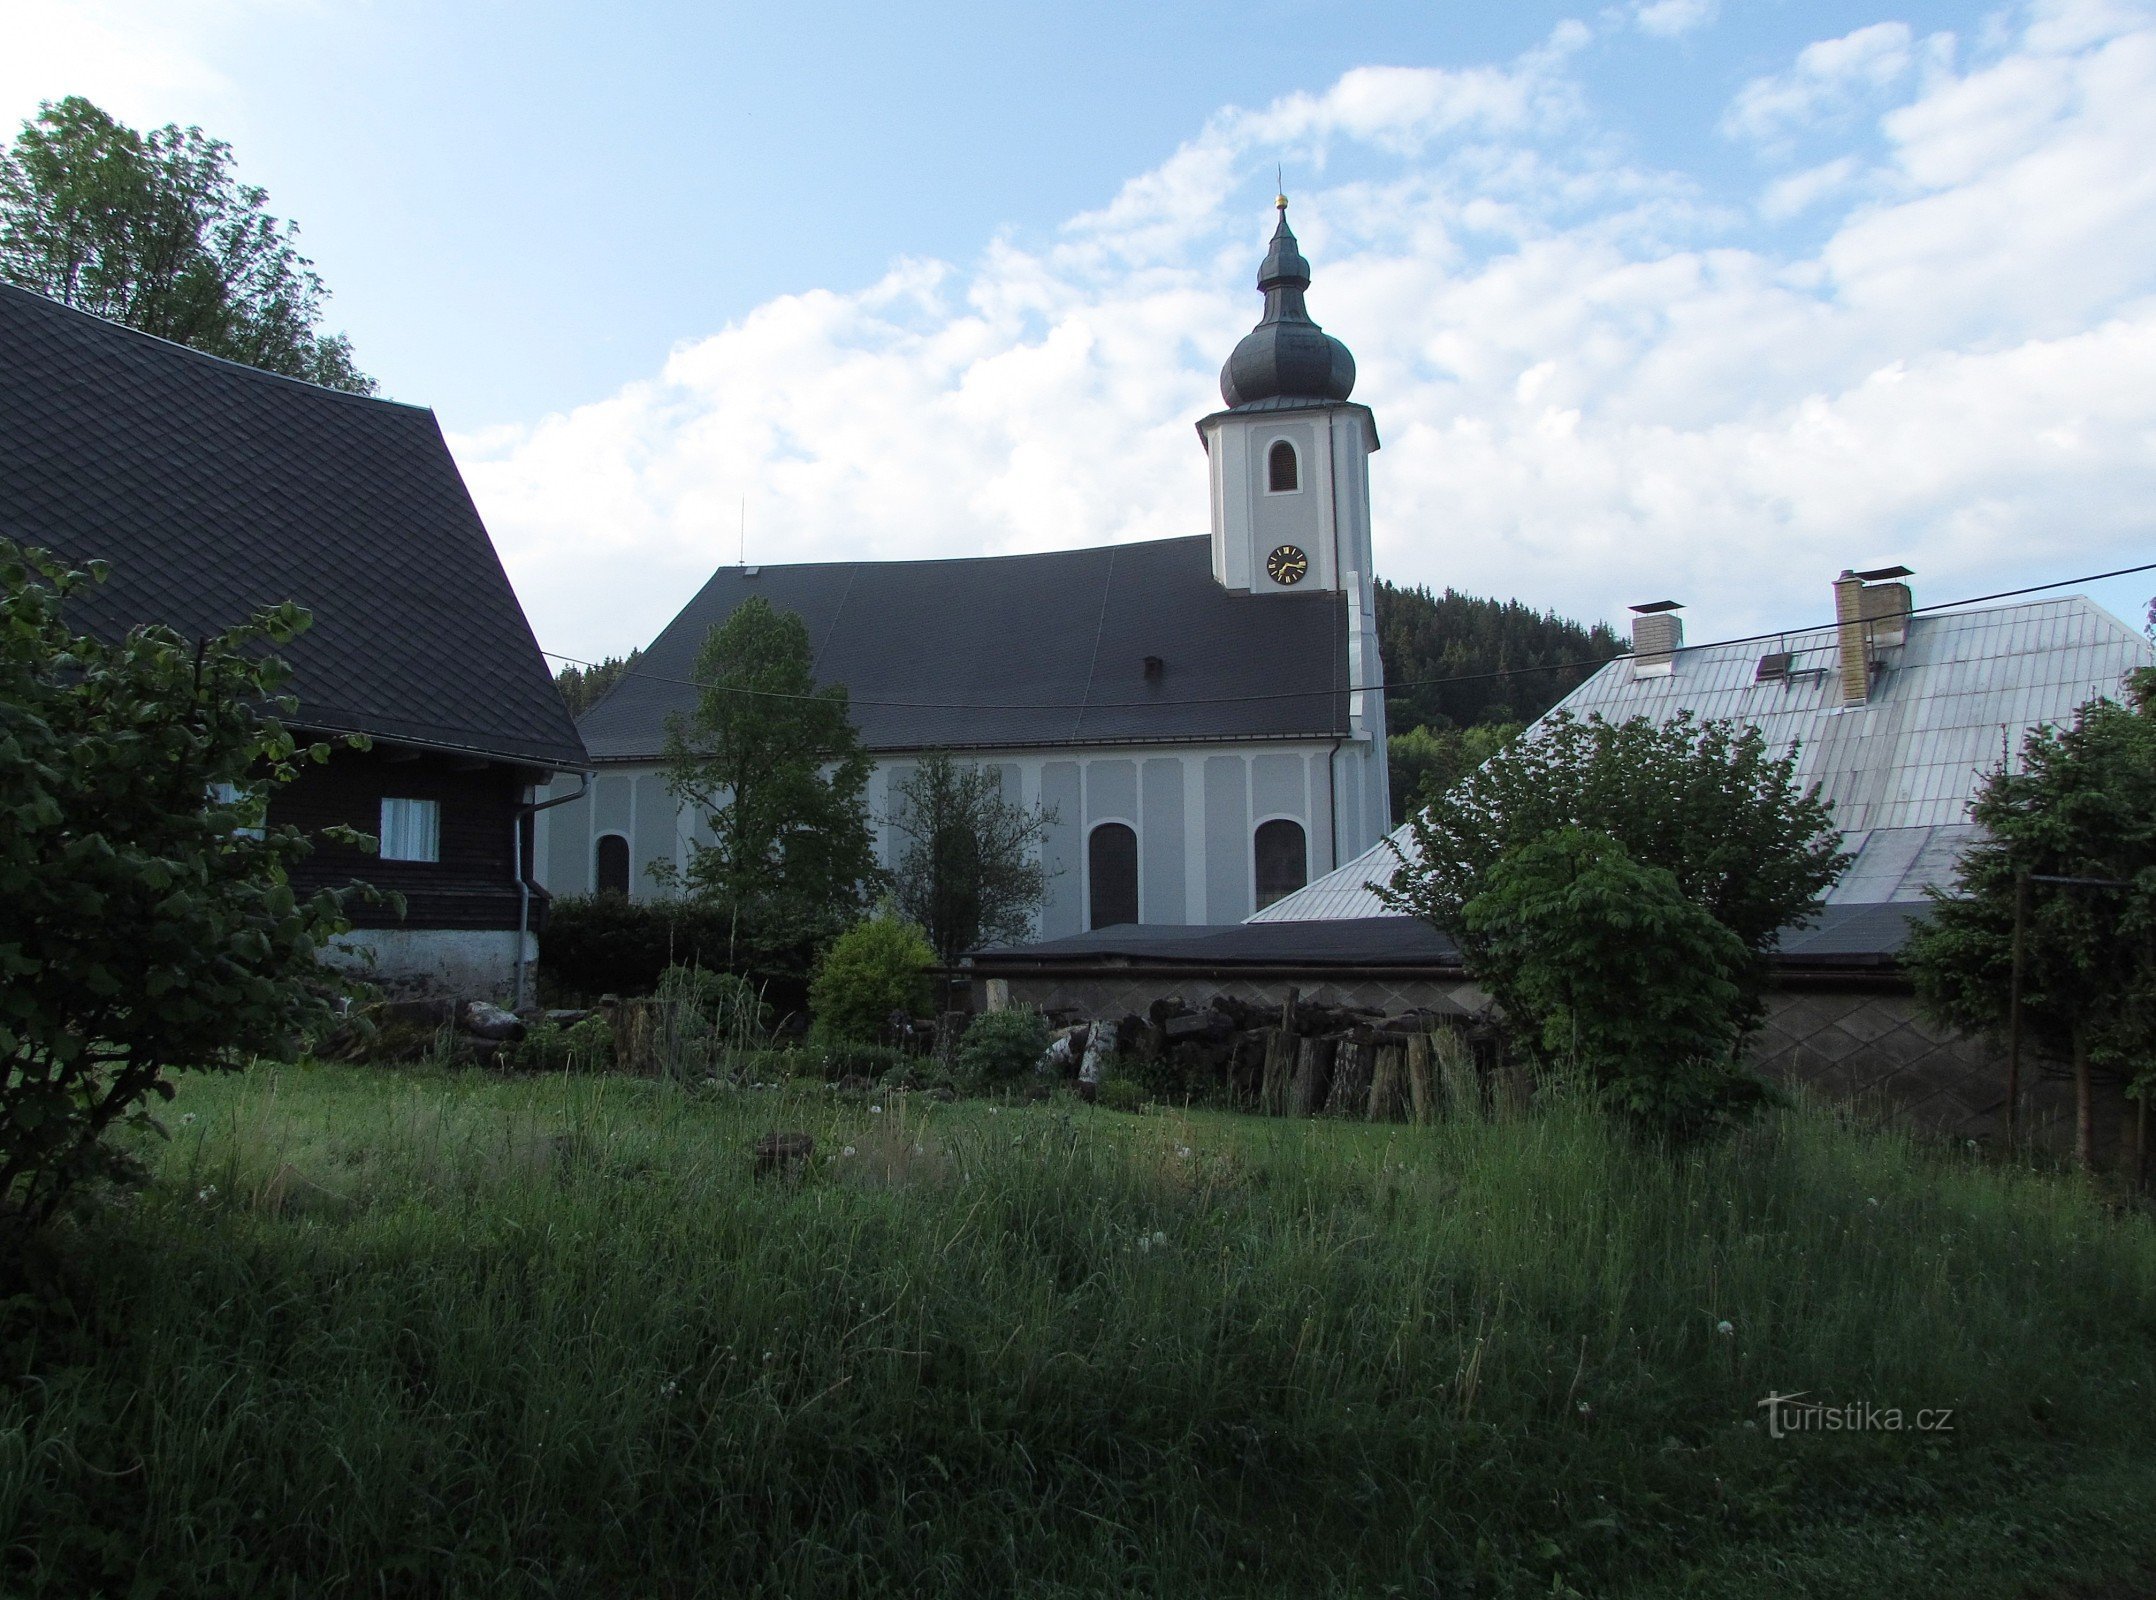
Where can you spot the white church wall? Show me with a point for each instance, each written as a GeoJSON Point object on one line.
{"type": "Point", "coordinates": [1164, 887]}
{"type": "Point", "coordinates": [1195, 810]}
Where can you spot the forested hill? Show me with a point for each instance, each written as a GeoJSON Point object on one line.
{"type": "Point", "coordinates": [1464, 637]}
{"type": "Point", "coordinates": [583, 687]}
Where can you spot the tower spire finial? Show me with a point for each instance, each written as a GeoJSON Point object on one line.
{"type": "Point", "coordinates": [1280, 189]}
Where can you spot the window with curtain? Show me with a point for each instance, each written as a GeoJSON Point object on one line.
{"type": "Point", "coordinates": [612, 874]}
{"type": "Point", "coordinates": [1283, 860]}
{"type": "Point", "coordinates": [411, 830]}
{"type": "Point", "coordinates": [1112, 874]}
{"type": "Point", "coordinates": [1281, 473]}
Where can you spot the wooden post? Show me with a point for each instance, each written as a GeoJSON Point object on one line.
{"type": "Point", "coordinates": [2084, 1103]}
{"type": "Point", "coordinates": [1287, 1011]}
{"type": "Point", "coordinates": [1421, 1091]}
{"type": "Point", "coordinates": [1388, 1087]}
{"type": "Point", "coordinates": [1279, 1070]}
{"type": "Point", "coordinates": [1351, 1080]}
{"type": "Point", "coordinates": [2141, 1139]}
{"type": "Point", "coordinates": [2013, 1009]}
{"type": "Point", "coordinates": [1314, 1070]}
{"type": "Point", "coordinates": [1462, 1082]}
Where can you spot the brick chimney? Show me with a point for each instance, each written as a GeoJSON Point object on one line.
{"type": "Point", "coordinates": [1871, 614]}
{"type": "Point", "coordinates": [1853, 657]}
{"type": "Point", "coordinates": [1657, 636]}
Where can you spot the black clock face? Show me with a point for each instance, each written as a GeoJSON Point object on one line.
{"type": "Point", "coordinates": [1287, 564]}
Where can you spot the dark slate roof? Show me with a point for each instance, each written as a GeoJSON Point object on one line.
{"type": "Point", "coordinates": [1013, 651]}
{"type": "Point", "coordinates": [213, 489]}
{"type": "Point", "coordinates": [1855, 936]}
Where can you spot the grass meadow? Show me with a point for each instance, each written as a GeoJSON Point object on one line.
{"type": "Point", "coordinates": [384, 1332]}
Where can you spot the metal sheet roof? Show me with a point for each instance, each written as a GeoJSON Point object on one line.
{"type": "Point", "coordinates": [1900, 770]}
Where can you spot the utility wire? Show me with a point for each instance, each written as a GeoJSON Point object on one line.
{"type": "Point", "coordinates": [1389, 688]}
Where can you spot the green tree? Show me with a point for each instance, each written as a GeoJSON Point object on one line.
{"type": "Point", "coordinates": [1702, 800]}
{"type": "Point", "coordinates": [153, 230]}
{"type": "Point", "coordinates": [876, 967]}
{"type": "Point", "coordinates": [970, 869]}
{"type": "Point", "coordinates": [1602, 966]}
{"type": "Point", "coordinates": [773, 765]}
{"type": "Point", "coordinates": [584, 687]}
{"type": "Point", "coordinates": [1427, 761]}
{"type": "Point", "coordinates": [2082, 804]}
{"type": "Point", "coordinates": [147, 921]}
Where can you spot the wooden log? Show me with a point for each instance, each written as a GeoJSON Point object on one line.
{"type": "Point", "coordinates": [1455, 1059]}
{"type": "Point", "coordinates": [1313, 1074]}
{"type": "Point", "coordinates": [1350, 1095]}
{"type": "Point", "coordinates": [640, 1032]}
{"type": "Point", "coordinates": [1421, 1088]}
{"type": "Point", "coordinates": [1279, 1071]}
{"type": "Point", "coordinates": [1388, 1083]}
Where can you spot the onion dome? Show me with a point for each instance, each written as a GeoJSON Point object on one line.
{"type": "Point", "coordinates": [1286, 356]}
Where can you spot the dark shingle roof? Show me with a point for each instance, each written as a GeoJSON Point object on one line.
{"type": "Point", "coordinates": [1006, 651]}
{"type": "Point", "coordinates": [213, 489]}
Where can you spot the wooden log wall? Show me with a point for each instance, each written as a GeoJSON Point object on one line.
{"type": "Point", "coordinates": [1305, 1060]}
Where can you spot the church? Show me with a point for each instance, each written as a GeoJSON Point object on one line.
{"type": "Point", "coordinates": [1204, 717]}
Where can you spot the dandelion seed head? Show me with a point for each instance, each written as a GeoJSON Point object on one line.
{"type": "Point", "coordinates": [1725, 1328]}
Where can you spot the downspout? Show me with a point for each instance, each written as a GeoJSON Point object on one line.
{"type": "Point", "coordinates": [1332, 802]}
{"type": "Point", "coordinates": [531, 808]}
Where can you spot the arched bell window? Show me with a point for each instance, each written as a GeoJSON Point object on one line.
{"type": "Point", "coordinates": [1283, 860]}
{"type": "Point", "coordinates": [1283, 474]}
{"type": "Point", "coordinates": [1111, 869]}
{"type": "Point", "coordinates": [611, 864]}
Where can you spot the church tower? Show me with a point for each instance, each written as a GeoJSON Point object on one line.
{"type": "Point", "coordinates": [1289, 463]}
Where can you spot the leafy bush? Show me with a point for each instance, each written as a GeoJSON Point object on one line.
{"type": "Point", "coordinates": [1173, 1082]}
{"type": "Point", "coordinates": [877, 966]}
{"type": "Point", "coordinates": [147, 920]}
{"type": "Point", "coordinates": [608, 944]}
{"type": "Point", "coordinates": [587, 1046]}
{"type": "Point", "coordinates": [1001, 1047]}
{"type": "Point", "coordinates": [1603, 965]}
{"type": "Point", "coordinates": [1122, 1094]}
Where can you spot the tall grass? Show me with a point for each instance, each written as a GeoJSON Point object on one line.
{"type": "Point", "coordinates": [436, 1334]}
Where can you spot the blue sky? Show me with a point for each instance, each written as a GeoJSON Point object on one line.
{"type": "Point", "coordinates": [1682, 297]}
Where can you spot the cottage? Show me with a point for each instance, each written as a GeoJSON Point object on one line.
{"type": "Point", "coordinates": [213, 489]}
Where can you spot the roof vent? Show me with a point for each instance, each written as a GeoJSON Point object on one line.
{"type": "Point", "coordinates": [1154, 667]}
{"type": "Point", "coordinates": [1773, 667]}
{"type": "Point", "coordinates": [1657, 635]}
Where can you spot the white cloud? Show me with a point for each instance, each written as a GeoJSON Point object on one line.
{"type": "Point", "coordinates": [145, 63]}
{"type": "Point", "coordinates": [1798, 192]}
{"type": "Point", "coordinates": [1830, 79]}
{"type": "Point", "coordinates": [1671, 19]}
{"type": "Point", "coordinates": [1592, 388]}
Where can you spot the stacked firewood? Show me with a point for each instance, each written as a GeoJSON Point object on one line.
{"type": "Point", "coordinates": [1304, 1059]}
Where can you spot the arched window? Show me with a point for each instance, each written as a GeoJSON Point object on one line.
{"type": "Point", "coordinates": [1281, 474]}
{"type": "Point", "coordinates": [613, 864]}
{"type": "Point", "coordinates": [1111, 872]}
{"type": "Point", "coordinates": [1283, 860]}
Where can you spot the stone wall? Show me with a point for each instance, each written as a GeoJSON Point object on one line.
{"type": "Point", "coordinates": [1870, 1049]}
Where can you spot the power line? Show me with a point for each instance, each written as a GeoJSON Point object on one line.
{"type": "Point", "coordinates": [1388, 689]}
